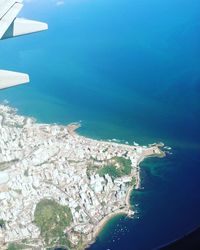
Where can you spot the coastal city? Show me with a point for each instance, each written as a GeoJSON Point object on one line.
{"type": "Point", "coordinates": [58, 188]}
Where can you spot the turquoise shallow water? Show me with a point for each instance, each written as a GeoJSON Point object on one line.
{"type": "Point", "coordinates": [128, 70]}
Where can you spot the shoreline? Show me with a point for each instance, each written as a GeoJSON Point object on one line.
{"type": "Point", "coordinates": [125, 211]}
{"type": "Point", "coordinates": [137, 154]}
{"type": "Point", "coordinates": [97, 230]}
{"type": "Point", "coordinates": [72, 127]}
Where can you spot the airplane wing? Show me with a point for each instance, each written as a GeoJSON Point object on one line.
{"type": "Point", "coordinates": [10, 79]}
{"type": "Point", "coordinates": [11, 26]}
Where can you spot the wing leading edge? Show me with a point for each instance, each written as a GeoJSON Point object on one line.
{"type": "Point", "coordinates": [10, 26]}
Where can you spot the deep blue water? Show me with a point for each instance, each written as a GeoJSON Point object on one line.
{"type": "Point", "coordinates": [128, 70]}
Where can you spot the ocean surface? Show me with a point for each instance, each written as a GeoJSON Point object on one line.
{"type": "Point", "coordinates": [129, 70]}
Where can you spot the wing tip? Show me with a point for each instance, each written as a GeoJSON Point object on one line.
{"type": "Point", "coordinates": [10, 79]}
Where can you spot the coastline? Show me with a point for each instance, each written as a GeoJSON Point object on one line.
{"type": "Point", "coordinates": [102, 224]}
{"type": "Point", "coordinates": [127, 210]}
{"type": "Point", "coordinates": [72, 128]}
{"type": "Point", "coordinates": [135, 153]}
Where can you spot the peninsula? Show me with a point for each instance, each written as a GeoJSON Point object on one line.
{"type": "Point", "coordinates": [58, 188]}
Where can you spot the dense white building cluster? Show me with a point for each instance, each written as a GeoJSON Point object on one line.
{"type": "Point", "coordinates": [41, 161]}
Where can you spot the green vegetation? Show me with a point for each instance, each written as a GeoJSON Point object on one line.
{"type": "Point", "coordinates": [15, 246]}
{"type": "Point", "coordinates": [110, 170]}
{"type": "Point", "coordinates": [5, 165]}
{"type": "Point", "coordinates": [124, 164]}
{"type": "Point", "coordinates": [26, 173]}
{"type": "Point", "coordinates": [52, 219]}
{"type": "Point", "coordinates": [116, 167]}
{"type": "Point", "coordinates": [2, 223]}
{"type": "Point", "coordinates": [12, 246]}
{"type": "Point", "coordinates": [91, 169]}
{"type": "Point", "coordinates": [133, 181]}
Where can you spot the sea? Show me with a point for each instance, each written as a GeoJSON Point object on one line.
{"type": "Point", "coordinates": [128, 70]}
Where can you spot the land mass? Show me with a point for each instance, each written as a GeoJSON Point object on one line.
{"type": "Point", "coordinates": [58, 188]}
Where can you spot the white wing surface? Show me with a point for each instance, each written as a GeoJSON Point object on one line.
{"type": "Point", "coordinates": [11, 26]}
{"type": "Point", "coordinates": [10, 79]}
{"type": "Point", "coordinates": [23, 27]}
{"type": "Point", "coordinates": [8, 17]}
